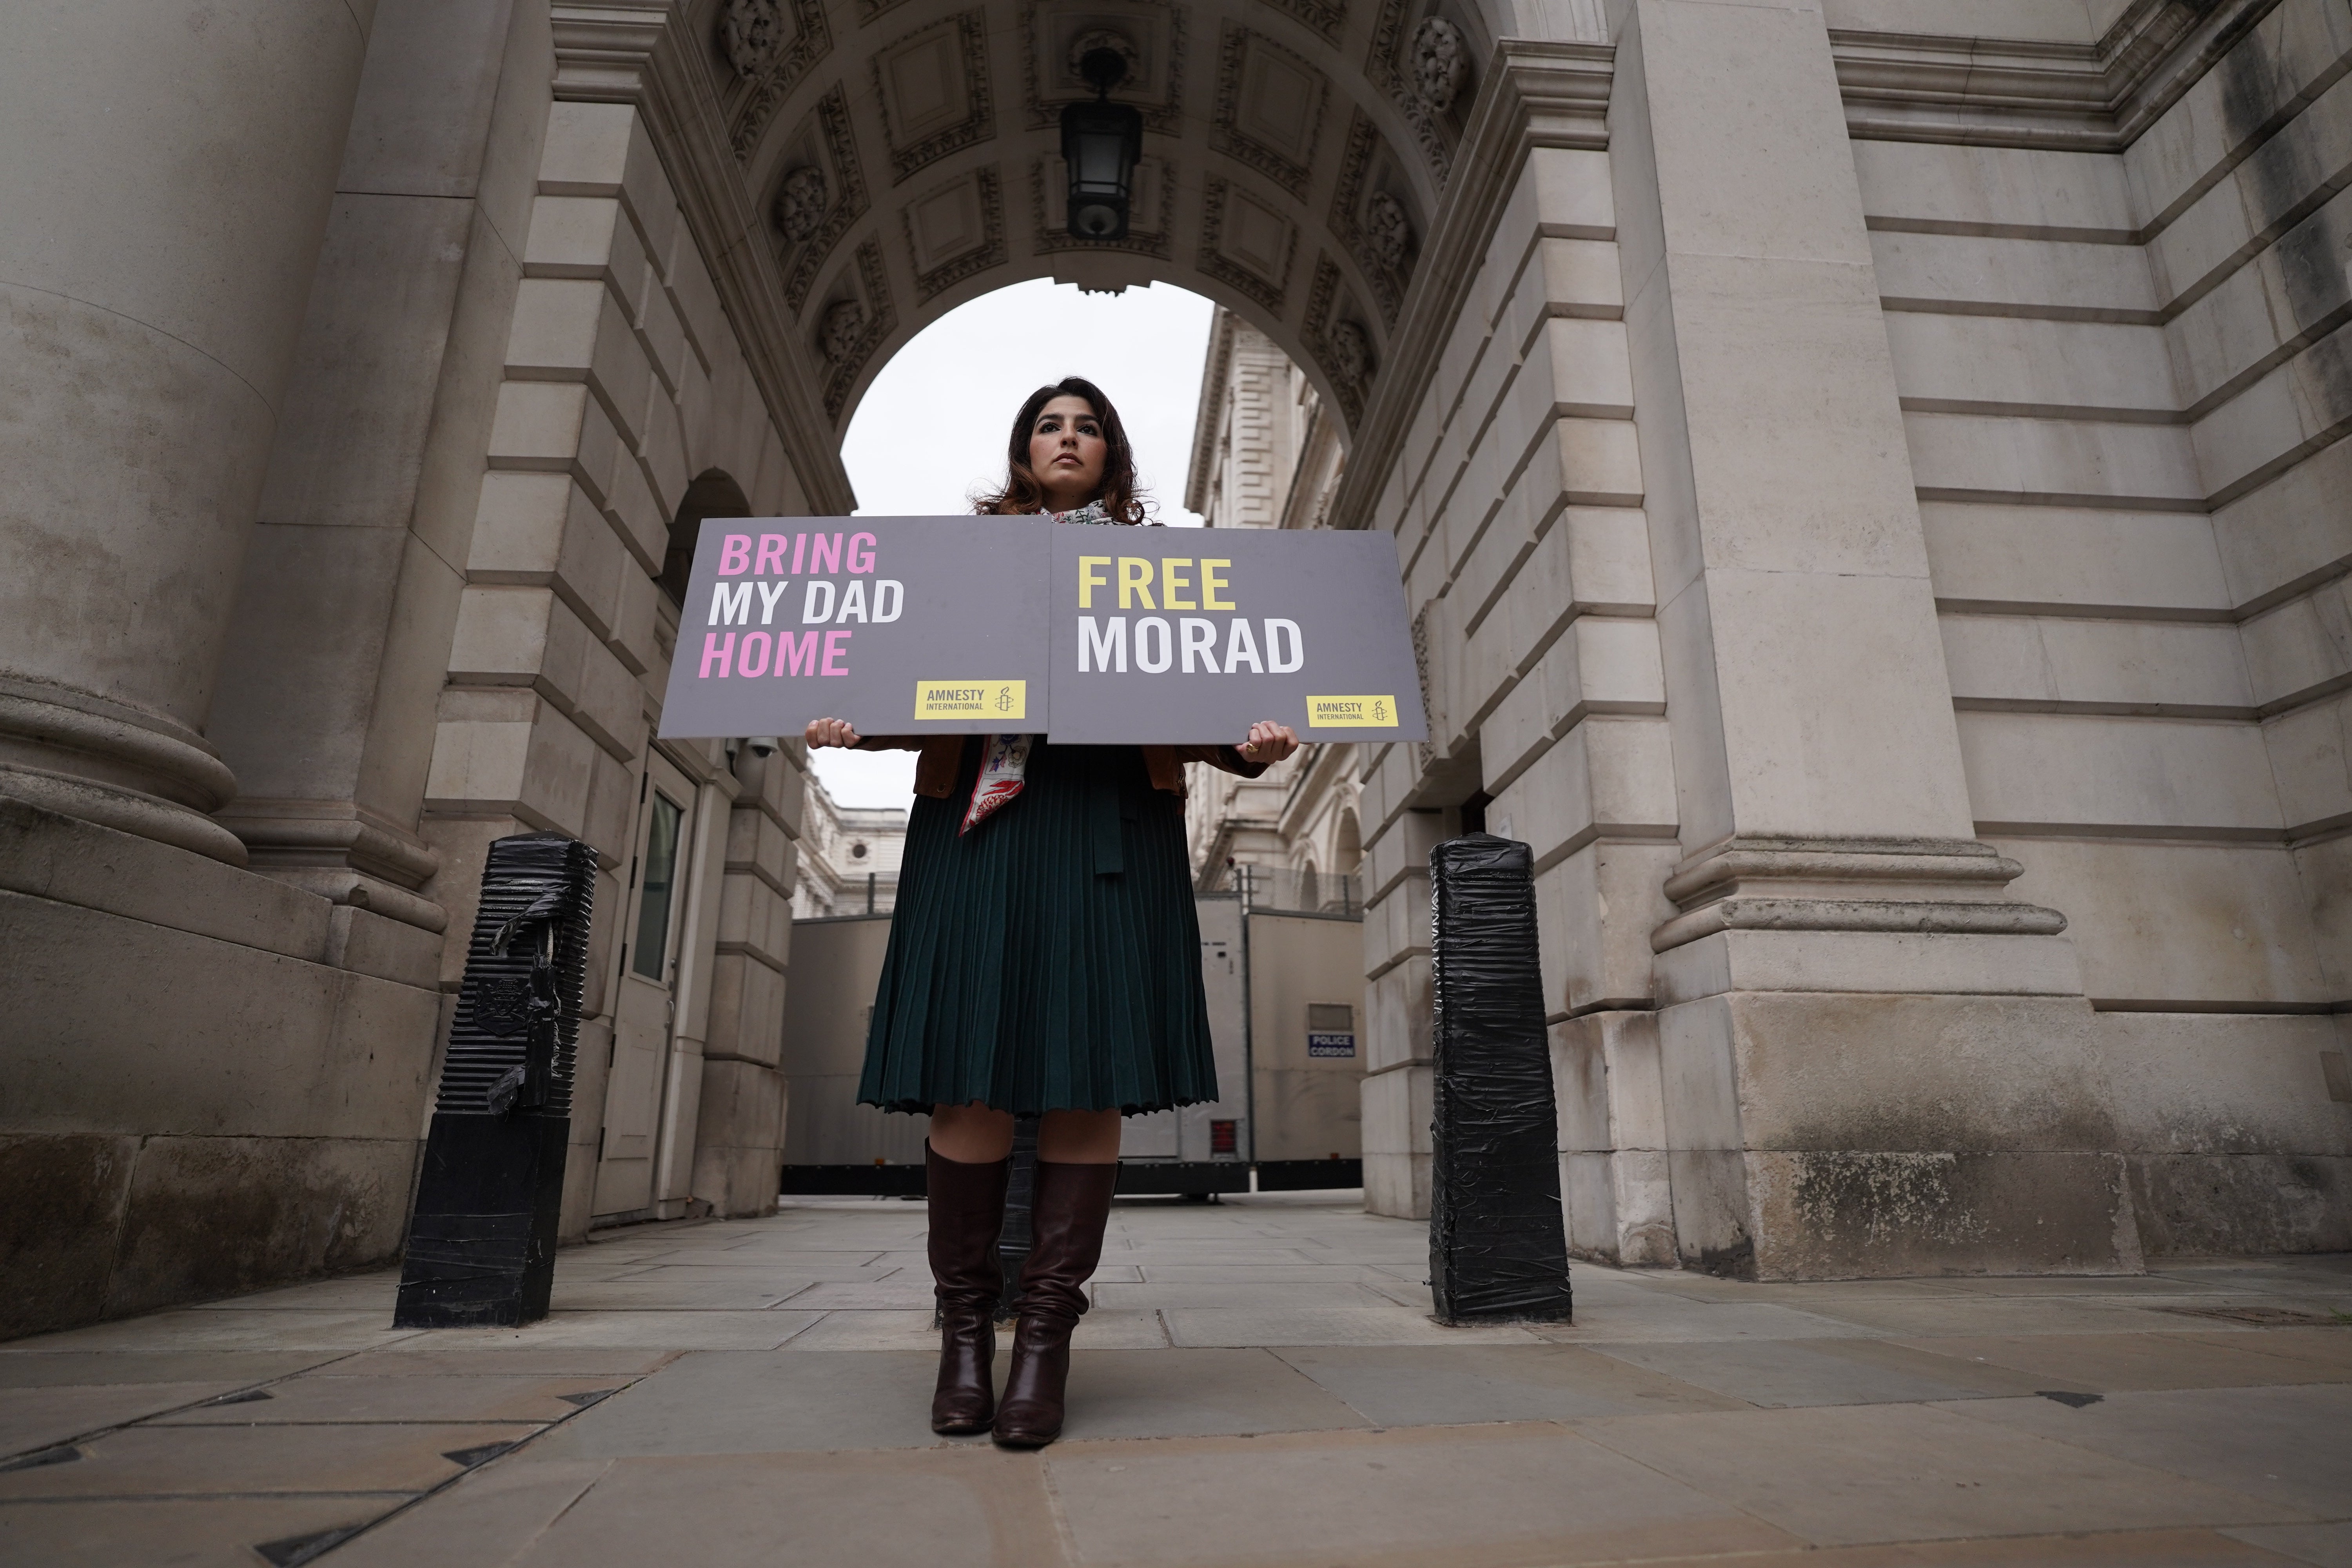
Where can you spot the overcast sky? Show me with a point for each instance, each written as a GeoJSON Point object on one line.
{"type": "Point", "coordinates": [932, 427]}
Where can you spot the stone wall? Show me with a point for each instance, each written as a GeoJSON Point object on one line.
{"type": "Point", "coordinates": [2124, 381]}
{"type": "Point", "coordinates": [622, 385]}
{"type": "Point", "coordinates": [1852, 551]}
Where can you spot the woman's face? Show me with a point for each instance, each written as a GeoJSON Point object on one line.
{"type": "Point", "coordinates": [1066, 452]}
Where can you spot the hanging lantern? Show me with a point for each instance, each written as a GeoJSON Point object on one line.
{"type": "Point", "coordinates": [1101, 141]}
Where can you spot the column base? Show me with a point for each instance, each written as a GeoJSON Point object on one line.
{"type": "Point", "coordinates": [84, 757]}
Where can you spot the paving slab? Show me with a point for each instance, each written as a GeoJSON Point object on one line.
{"type": "Point", "coordinates": [1779, 1373]}
{"type": "Point", "coordinates": [1843, 1474]}
{"type": "Point", "coordinates": [909, 1509]}
{"type": "Point", "coordinates": [743, 1402]}
{"type": "Point", "coordinates": [1215, 1326]}
{"type": "Point", "coordinates": [646, 1330]}
{"type": "Point", "coordinates": [173, 1461]}
{"type": "Point", "coordinates": [38, 1418]}
{"type": "Point", "coordinates": [502, 1397]}
{"type": "Point", "coordinates": [2120, 1549]}
{"type": "Point", "coordinates": [431, 1355]}
{"type": "Point", "coordinates": [1518, 1494]}
{"type": "Point", "coordinates": [228, 1327]}
{"type": "Point", "coordinates": [187, 1532]}
{"type": "Point", "coordinates": [903, 1330]}
{"type": "Point", "coordinates": [750, 1291]}
{"type": "Point", "coordinates": [2257, 1441]}
{"type": "Point", "coordinates": [1961, 1315]}
{"type": "Point", "coordinates": [1667, 1318]}
{"type": "Point", "coordinates": [1430, 1385]}
{"type": "Point", "coordinates": [1193, 1393]}
{"type": "Point", "coordinates": [1253, 1293]}
{"type": "Point", "coordinates": [1231, 1391]}
{"type": "Point", "coordinates": [59, 1369]}
{"type": "Point", "coordinates": [2321, 1545]}
{"type": "Point", "coordinates": [483, 1521]}
{"type": "Point", "coordinates": [2111, 1363]}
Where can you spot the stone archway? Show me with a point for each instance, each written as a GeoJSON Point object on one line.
{"type": "Point", "coordinates": [1671, 349]}
{"type": "Point", "coordinates": [1296, 160]}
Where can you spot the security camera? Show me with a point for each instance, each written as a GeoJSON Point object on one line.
{"type": "Point", "coordinates": [763, 746]}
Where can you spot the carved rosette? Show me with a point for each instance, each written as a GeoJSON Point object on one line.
{"type": "Point", "coordinates": [801, 202]}
{"type": "Point", "coordinates": [1441, 62]}
{"type": "Point", "coordinates": [1387, 233]}
{"type": "Point", "coordinates": [749, 31]}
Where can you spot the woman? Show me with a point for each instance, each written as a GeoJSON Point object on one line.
{"type": "Point", "coordinates": [1045, 958]}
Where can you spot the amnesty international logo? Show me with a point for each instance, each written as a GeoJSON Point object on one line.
{"type": "Point", "coordinates": [995, 699]}
{"type": "Point", "coordinates": [1352, 713]}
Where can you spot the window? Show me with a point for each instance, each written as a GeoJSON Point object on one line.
{"type": "Point", "coordinates": [649, 952]}
{"type": "Point", "coordinates": [858, 852]}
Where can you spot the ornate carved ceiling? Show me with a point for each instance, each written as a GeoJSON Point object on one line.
{"type": "Point", "coordinates": [904, 156]}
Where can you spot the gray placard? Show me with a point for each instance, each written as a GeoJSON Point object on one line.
{"type": "Point", "coordinates": [902, 626]}
{"type": "Point", "coordinates": [1190, 636]}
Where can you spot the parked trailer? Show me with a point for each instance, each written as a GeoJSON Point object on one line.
{"type": "Point", "coordinates": [1284, 989]}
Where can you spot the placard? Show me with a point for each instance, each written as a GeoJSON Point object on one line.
{"type": "Point", "coordinates": [902, 626]}
{"type": "Point", "coordinates": [1190, 636]}
{"type": "Point", "coordinates": [1087, 634]}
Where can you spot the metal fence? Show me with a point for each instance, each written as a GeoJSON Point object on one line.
{"type": "Point", "coordinates": [1279, 888]}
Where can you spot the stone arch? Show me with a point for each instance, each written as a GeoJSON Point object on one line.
{"type": "Point", "coordinates": [1296, 152]}
{"type": "Point", "coordinates": [713, 493]}
{"type": "Point", "coordinates": [1348, 850]}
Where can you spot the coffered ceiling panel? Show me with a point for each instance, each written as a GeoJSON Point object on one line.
{"type": "Point", "coordinates": [1149, 34]}
{"type": "Point", "coordinates": [1246, 242]}
{"type": "Point", "coordinates": [934, 90]}
{"type": "Point", "coordinates": [1270, 106]}
{"type": "Point", "coordinates": [956, 230]}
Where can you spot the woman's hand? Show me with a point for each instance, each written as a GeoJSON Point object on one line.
{"type": "Point", "coordinates": [1268, 741]}
{"type": "Point", "coordinates": [839, 732]}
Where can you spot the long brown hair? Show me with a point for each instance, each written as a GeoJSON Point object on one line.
{"type": "Point", "coordinates": [1022, 493]}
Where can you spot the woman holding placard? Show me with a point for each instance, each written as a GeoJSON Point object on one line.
{"type": "Point", "coordinates": [1045, 959]}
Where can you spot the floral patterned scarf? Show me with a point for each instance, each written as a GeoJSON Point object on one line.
{"type": "Point", "coordinates": [1005, 760]}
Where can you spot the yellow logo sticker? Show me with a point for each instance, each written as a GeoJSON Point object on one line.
{"type": "Point", "coordinates": [971, 698]}
{"type": "Point", "coordinates": [1352, 713]}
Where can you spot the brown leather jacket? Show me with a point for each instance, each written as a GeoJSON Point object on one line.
{"type": "Point", "coordinates": [942, 757]}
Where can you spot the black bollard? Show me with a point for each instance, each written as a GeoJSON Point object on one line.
{"type": "Point", "coordinates": [482, 1237]}
{"type": "Point", "coordinates": [1498, 1242]}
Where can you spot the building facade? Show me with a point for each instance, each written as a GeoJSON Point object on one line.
{"type": "Point", "coordinates": [1868, 475]}
{"type": "Point", "coordinates": [848, 857]}
{"type": "Point", "coordinates": [1267, 455]}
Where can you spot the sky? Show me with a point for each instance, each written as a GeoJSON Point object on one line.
{"type": "Point", "coordinates": [931, 428]}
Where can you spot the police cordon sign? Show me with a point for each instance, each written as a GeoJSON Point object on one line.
{"type": "Point", "coordinates": [1089, 635]}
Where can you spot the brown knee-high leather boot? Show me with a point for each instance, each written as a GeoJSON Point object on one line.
{"type": "Point", "coordinates": [967, 1204]}
{"type": "Point", "coordinates": [1072, 1205]}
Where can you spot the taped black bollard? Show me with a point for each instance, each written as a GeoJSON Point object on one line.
{"type": "Point", "coordinates": [1498, 1242]}
{"type": "Point", "coordinates": [481, 1236]}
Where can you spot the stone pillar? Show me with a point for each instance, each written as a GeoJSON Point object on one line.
{"type": "Point", "coordinates": [167, 183]}
{"type": "Point", "coordinates": [1872, 1057]}
{"type": "Point", "coordinates": [341, 640]}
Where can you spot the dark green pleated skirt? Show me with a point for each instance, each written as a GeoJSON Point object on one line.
{"type": "Point", "coordinates": [1049, 959]}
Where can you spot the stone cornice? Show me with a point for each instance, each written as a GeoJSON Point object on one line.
{"type": "Point", "coordinates": [643, 53]}
{"type": "Point", "coordinates": [2084, 98]}
{"type": "Point", "coordinates": [1536, 94]}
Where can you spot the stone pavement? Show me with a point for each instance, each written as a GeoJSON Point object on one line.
{"type": "Point", "coordinates": [1259, 1386]}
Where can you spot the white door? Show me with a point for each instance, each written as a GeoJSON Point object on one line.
{"type": "Point", "coordinates": [643, 1012]}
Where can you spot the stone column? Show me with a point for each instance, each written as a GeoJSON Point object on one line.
{"type": "Point", "coordinates": [1873, 1057]}
{"type": "Point", "coordinates": [166, 185]}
